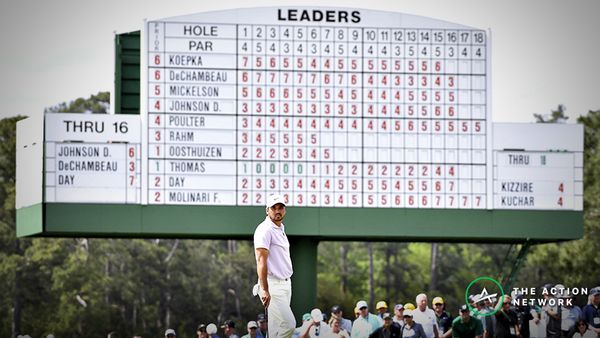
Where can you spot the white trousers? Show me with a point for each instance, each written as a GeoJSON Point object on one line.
{"type": "Point", "coordinates": [280, 316]}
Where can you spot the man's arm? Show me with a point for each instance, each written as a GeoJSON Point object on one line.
{"type": "Point", "coordinates": [478, 328]}
{"type": "Point", "coordinates": [454, 332]}
{"type": "Point", "coordinates": [435, 331]}
{"type": "Point", "coordinates": [552, 313]}
{"type": "Point", "coordinates": [375, 334]}
{"type": "Point", "coordinates": [305, 329]}
{"type": "Point", "coordinates": [261, 269]}
{"type": "Point", "coordinates": [421, 331]}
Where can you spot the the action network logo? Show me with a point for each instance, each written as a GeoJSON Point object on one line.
{"type": "Point", "coordinates": [552, 296]}
{"type": "Point", "coordinates": [482, 295]}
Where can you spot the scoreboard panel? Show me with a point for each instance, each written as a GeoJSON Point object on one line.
{"type": "Point", "coordinates": [533, 169]}
{"type": "Point", "coordinates": [92, 158]}
{"type": "Point", "coordinates": [329, 107]}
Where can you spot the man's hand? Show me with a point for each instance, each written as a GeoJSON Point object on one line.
{"type": "Point", "coordinates": [265, 298]}
{"type": "Point", "coordinates": [305, 334]}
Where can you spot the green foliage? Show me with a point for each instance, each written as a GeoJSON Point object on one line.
{"type": "Point", "coordinates": [573, 263]}
{"type": "Point", "coordinates": [556, 116]}
{"type": "Point", "coordinates": [406, 275]}
{"type": "Point", "coordinates": [95, 104]}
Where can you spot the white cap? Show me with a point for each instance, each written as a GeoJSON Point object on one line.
{"type": "Point", "coordinates": [211, 328]}
{"type": "Point", "coordinates": [361, 304]}
{"type": "Point", "coordinates": [316, 315]}
{"type": "Point", "coordinates": [252, 324]}
{"type": "Point", "coordinates": [560, 289]}
{"type": "Point", "coordinates": [275, 199]}
{"type": "Point", "coordinates": [170, 331]}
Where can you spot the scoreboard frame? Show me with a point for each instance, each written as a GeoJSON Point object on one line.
{"type": "Point", "coordinates": [39, 218]}
{"type": "Point", "coordinates": [429, 225]}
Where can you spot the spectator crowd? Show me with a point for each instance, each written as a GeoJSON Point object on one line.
{"type": "Point", "coordinates": [504, 317]}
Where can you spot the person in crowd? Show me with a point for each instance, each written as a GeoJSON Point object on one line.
{"type": "Point", "coordinates": [591, 312]}
{"type": "Point", "coordinates": [365, 323]}
{"type": "Point", "coordinates": [298, 331]}
{"type": "Point", "coordinates": [569, 315]}
{"type": "Point", "coordinates": [537, 328]}
{"type": "Point", "coordinates": [211, 330]}
{"type": "Point", "coordinates": [336, 312]}
{"type": "Point", "coordinates": [229, 329]}
{"type": "Point", "coordinates": [381, 308]}
{"type": "Point", "coordinates": [409, 306]}
{"type": "Point", "coordinates": [263, 325]}
{"type": "Point", "coordinates": [552, 313]}
{"type": "Point", "coordinates": [399, 315]}
{"type": "Point", "coordinates": [472, 301]}
{"type": "Point", "coordinates": [201, 331]}
{"type": "Point", "coordinates": [466, 326]}
{"type": "Point", "coordinates": [388, 330]}
{"type": "Point", "coordinates": [315, 327]}
{"type": "Point", "coordinates": [488, 322]}
{"type": "Point", "coordinates": [443, 318]}
{"type": "Point", "coordinates": [170, 333]}
{"type": "Point", "coordinates": [583, 330]}
{"type": "Point", "coordinates": [543, 322]}
{"type": "Point", "coordinates": [506, 320]}
{"type": "Point", "coordinates": [523, 317]}
{"type": "Point", "coordinates": [411, 329]}
{"type": "Point", "coordinates": [426, 317]}
{"type": "Point", "coordinates": [336, 329]}
{"type": "Point", "coordinates": [113, 334]}
{"type": "Point", "coordinates": [252, 329]}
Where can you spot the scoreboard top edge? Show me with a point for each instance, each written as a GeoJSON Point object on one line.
{"type": "Point", "coordinates": [317, 16]}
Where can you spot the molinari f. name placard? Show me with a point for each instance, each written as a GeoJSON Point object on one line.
{"type": "Point", "coordinates": [330, 107]}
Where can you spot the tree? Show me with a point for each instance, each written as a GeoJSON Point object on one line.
{"type": "Point", "coordinates": [574, 263]}
{"type": "Point", "coordinates": [11, 254]}
{"type": "Point", "coordinates": [95, 104]}
{"type": "Point", "coordinates": [556, 116]}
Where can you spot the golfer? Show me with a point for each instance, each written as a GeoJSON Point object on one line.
{"type": "Point", "coordinates": [274, 269]}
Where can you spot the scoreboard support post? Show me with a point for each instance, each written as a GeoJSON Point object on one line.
{"type": "Point", "coordinates": [303, 250]}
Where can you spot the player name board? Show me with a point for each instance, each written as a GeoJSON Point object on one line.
{"type": "Point", "coordinates": [329, 107]}
{"type": "Point", "coordinates": [534, 180]}
{"type": "Point", "coordinates": [92, 158]}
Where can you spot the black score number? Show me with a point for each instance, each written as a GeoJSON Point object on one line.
{"type": "Point", "coordinates": [121, 127]}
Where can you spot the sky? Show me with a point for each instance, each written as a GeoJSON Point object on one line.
{"type": "Point", "coordinates": [543, 52]}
